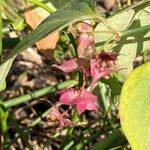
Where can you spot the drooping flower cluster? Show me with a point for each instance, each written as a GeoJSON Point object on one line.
{"type": "Point", "coordinates": [81, 99]}
{"type": "Point", "coordinates": [100, 65]}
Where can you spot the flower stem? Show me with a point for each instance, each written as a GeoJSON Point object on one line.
{"type": "Point", "coordinates": [38, 119]}
{"type": "Point", "coordinates": [69, 131]}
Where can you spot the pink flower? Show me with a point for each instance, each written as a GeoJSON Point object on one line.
{"type": "Point", "coordinates": [55, 115]}
{"type": "Point", "coordinates": [102, 65]}
{"type": "Point", "coordinates": [74, 65]}
{"type": "Point", "coordinates": [84, 42]}
{"type": "Point", "coordinates": [82, 99]}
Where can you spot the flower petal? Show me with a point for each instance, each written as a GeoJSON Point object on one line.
{"type": "Point", "coordinates": [69, 96]}
{"type": "Point", "coordinates": [81, 107]}
{"type": "Point", "coordinates": [95, 72]}
{"type": "Point", "coordinates": [87, 96]}
{"type": "Point", "coordinates": [84, 42]}
{"type": "Point", "coordinates": [91, 106]}
{"type": "Point", "coordinates": [68, 66]}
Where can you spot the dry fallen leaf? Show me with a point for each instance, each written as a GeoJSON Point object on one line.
{"type": "Point", "coordinates": [31, 55]}
{"type": "Point", "coordinates": [46, 45]}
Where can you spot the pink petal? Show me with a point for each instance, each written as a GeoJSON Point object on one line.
{"type": "Point", "coordinates": [87, 71]}
{"type": "Point", "coordinates": [87, 96]}
{"type": "Point", "coordinates": [69, 96]}
{"type": "Point", "coordinates": [55, 112]}
{"type": "Point", "coordinates": [81, 107]}
{"type": "Point", "coordinates": [84, 42]}
{"type": "Point", "coordinates": [85, 101]}
{"type": "Point", "coordinates": [68, 66]}
{"type": "Point", "coordinates": [95, 72]}
{"type": "Point", "coordinates": [91, 106]}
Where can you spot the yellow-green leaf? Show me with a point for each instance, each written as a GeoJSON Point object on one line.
{"type": "Point", "coordinates": [134, 109]}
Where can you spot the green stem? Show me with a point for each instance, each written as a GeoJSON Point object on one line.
{"type": "Point", "coordinates": [3, 119]}
{"type": "Point", "coordinates": [39, 93]}
{"type": "Point", "coordinates": [69, 132]}
{"type": "Point", "coordinates": [49, 9]}
{"type": "Point", "coordinates": [38, 119]}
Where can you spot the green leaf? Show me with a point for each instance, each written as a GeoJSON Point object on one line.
{"type": "Point", "coordinates": [59, 3]}
{"type": "Point", "coordinates": [3, 86]}
{"type": "Point", "coordinates": [116, 138]}
{"type": "Point", "coordinates": [114, 85]}
{"type": "Point", "coordinates": [19, 26]}
{"type": "Point", "coordinates": [4, 69]}
{"type": "Point", "coordinates": [130, 45]}
{"type": "Point", "coordinates": [134, 109]}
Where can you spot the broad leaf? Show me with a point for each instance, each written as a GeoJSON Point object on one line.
{"type": "Point", "coordinates": [130, 45]}
{"type": "Point", "coordinates": [134, 109]}
{"type": "Point", "coordinates": [114, 84]}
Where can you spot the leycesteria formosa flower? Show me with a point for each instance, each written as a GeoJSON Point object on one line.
{"type": "Point", "coordinates": [102, 65]}
{"type": "Point", "coordinates": [85, 41]}
{"type": "Point", "coordinates": [81, 99]}
{"type": "Point", "coordinates": [55, 115]}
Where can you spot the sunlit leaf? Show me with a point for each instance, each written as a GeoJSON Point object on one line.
{"type": "Point", "coordinates": [129, 46]}
{"type": "Point", "coordinates": [4, 69]}
{"type": "Point", "coordinates": [134, 108]}
{"type": "Point", "coordinates": [3, 86]}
